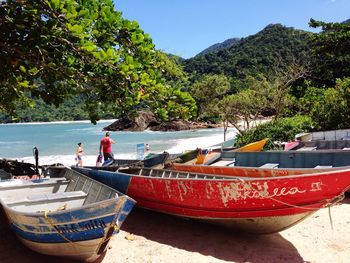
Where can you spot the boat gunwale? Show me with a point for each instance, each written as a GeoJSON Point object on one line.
{"type": "Point", "coordinates": [319, 170]}
{"type": "Point", "coordinates": [40, 214]}
{"type": "Point", "coordinates": [226, 177]}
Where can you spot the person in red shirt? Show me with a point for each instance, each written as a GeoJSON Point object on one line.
{"type": "Point", "coordinates": [106, 147]}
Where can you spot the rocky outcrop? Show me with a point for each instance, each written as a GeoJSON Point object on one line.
{"type": "Point", "coordinates": [143, 121]}
{"type": "Point", "coordinates": [147, 120]}
{"type": "Point", "coordinates": [180, 125]}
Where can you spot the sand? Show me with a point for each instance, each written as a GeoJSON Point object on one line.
{"type": "Point", "coordinates": [162, 238]}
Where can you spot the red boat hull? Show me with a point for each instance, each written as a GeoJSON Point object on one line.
{"type": "Point", "coordinates": [259, 205]}
{"type": "Point", "coordinates": [237, 197]}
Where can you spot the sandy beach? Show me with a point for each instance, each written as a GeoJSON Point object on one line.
{"type": "Point", "coordinates": [154, 237]}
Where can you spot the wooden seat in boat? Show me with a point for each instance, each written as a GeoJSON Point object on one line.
{"type": "Point", "coordinates": [323, 166]}
{"type": "Point", "coordinates": [223, 163]}
{"type": "Point", "coordinates": [307, 149]}
{"type": "Point", "coordinates": [50, 197]}
{"type": "Point", "coordinates": [270, 165]}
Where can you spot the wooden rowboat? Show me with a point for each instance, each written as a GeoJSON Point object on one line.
{"type": "Point", "coordinates": [320, 145]}
{"type": "Point", "coordinates": [253, 147]}
{"type": "Point", "coordinates": [200, 156]}
{"type": "Point", "coordinates": [343, 134]}
{"type": "Point", "coordinates": [270, 163]}
{"type": "Point", "coordinates": [73, 216]}
{"type": "Point", "coordinates": [257, 205]}
{"type": "Point", "coordinates": [153, 160]}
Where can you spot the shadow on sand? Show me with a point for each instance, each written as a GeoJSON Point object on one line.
{"type": "Point", "coordinates": [13, 251]}
{"type": "Point", "coordinates": [188, 235]}
{"type": "Point", "coordinates": [210, 240]}
{"type": "Point", "coordinates": [183, 234]}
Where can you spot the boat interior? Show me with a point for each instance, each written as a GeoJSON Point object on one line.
{"type": "Point", "coordinates": [322, 145]}
{"type": "Point", "coordinates": [54, 194]}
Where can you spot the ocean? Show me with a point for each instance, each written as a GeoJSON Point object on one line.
{"type": "Point", "coordinates": [57, 141]}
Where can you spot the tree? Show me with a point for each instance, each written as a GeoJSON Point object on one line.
{"type": "Point", "coordinates": [227, 110]}
{"type": "Point", "coordinates": [329, 108]}
{"type": "Point", "coordinates": [284, 75]}
{"type": "Point", "coordinates": [246, 105]}
{"type": "Point", "coordinates": [283, 130]}
{"type": "Point", "coordinates": [331, 49]}
{"type": "Point", "coordinates": [207, 92]}
{"type": "Point", "coordinates": [50, 49]}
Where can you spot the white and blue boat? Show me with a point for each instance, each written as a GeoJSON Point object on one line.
{"type": "Point", "coordinates": [72, 216]}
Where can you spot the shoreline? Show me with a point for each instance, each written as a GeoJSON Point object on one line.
{"type": "Point", "coordinates": [57, 122]}
{"type": "Point", "coordinates": [148, 236]}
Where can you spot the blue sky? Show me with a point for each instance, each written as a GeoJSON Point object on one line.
{"type": "Point", "coordinates": [186, 27]}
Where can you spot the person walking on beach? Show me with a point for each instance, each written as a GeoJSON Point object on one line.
{"type": "Point", "coordinates": [106, 147]}
{"type": "Point", "coordinates": [79, 154]}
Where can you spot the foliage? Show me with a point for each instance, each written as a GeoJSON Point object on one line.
{"type": "Point", "coordinates": [171, 67]}
{"type": "Point", "coordinates": [207, 92]}
{"type": "Point", "coordinates": [85, 55]}
{"type": "Point", "coordinates": [331, 48]}
{"type": "Point", "coordinates": [329, 108]}
{"type": "Point", "coordinates": [51, 49]}
{"type": "Point", "coordinates": [180, 105]}
{"type": "Point", "coordinates": [283, 129]}
{"type": "Point", "coordinates": [71, 109]}
{"type": "Point", "coordinates": [245, 105]}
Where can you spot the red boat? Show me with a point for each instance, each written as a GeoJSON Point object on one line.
{"type": "Point", "coordinates": [257, 205]}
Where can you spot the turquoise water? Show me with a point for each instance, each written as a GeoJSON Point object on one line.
{"type": "Point", "coordinates": [60, 139]}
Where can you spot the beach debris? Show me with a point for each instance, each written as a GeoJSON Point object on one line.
{"type": "Point", "coordinates": [129, 237]}
{"type": "Point", "coordinates": [63, 207]}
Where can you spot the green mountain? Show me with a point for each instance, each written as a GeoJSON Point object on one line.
{"type": "Point", "coordinates": [226, 44]}
{"type": "Point", "coordinates": [255, 54]}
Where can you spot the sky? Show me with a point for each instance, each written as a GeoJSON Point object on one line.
{"type": "Point", "coordinates": [186, 27]}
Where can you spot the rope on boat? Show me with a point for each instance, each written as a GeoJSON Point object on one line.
{"type": "Point", "coordinates": [328, 204]}
{"type": "Point", "coordinates": [104, 239]}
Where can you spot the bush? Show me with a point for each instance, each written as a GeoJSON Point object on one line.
{"type": "Point", "coordinates": [329, 108]}
{"type": "Point", "coordinates": [282, 130]}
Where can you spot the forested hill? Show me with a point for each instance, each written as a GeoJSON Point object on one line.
{"type": "Point", "coordinates": [226, 44]}
{"type": "Point", "coordinates": [252, 55]}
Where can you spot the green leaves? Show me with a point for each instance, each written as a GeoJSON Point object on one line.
{"type": "Point", "coordinates": [52, 49]}
{"type": "Point", "coordinates": [54, 4]}
{"type": "Point", "coordinates": [331, 49]}
{"type": "Point", "coordinates": [75, 28]}
{"type": "Point", "coordinates": [282, 130]}
{"type": "Point", "coordinates": [329, 108]}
